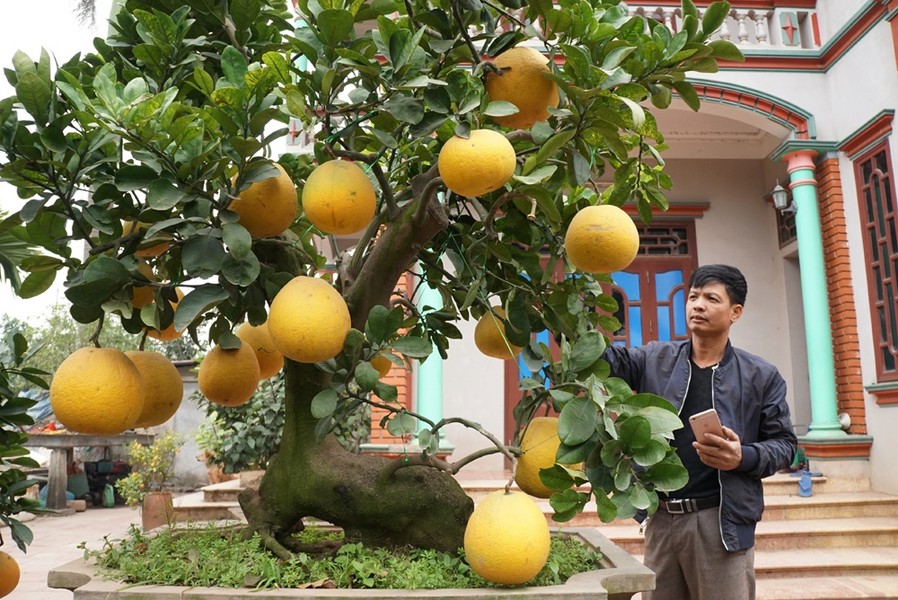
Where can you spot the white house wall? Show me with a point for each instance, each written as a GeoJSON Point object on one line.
{"type": "Point", "coordinates": [739, 228]}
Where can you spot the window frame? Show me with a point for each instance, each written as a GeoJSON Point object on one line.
{"type": "Point", "coordinates": [868, 221]}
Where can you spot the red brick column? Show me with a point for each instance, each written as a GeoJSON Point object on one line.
{"type": "Point", "coordinates": [846, 348]}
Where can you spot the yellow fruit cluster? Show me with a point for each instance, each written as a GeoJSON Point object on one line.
{"type": "Point", "coordinates": [104, 391]}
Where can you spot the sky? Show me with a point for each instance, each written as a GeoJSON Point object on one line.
{"type": "Point", "coordinates": [29, 26]}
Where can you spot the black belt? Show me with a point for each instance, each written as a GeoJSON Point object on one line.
{"type": "Point", "coordinates": [679, 506]}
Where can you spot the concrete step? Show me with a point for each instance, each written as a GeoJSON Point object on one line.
{"type": "Point", "coordinates": [194, 507]}
{"type": "Point", "coordinates": [790, 535]}
{"type": "Point", "coordinates": [871, 561]}
{"type": "Point", "coordinates": [226, 491]}
{"type": "Point", "coordinates": [856, 587]}
{"type": "Point", "coordinates": [833, 505]}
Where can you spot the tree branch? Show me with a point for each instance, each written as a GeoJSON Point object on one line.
{"type": "Point", "coordinates": [456, 12]}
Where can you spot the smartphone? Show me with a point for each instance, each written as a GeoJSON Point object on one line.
{"type": "Point", "coordinates": [705, 421]}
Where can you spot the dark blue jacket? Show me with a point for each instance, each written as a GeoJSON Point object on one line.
{"type": "Point", "coordinates": [750, 397]}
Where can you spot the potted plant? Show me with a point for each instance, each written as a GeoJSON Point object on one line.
{"type": "Point", "coordinates": [152, 467]}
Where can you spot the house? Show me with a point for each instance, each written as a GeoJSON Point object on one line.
{"type": "Point", "coordinates": [785, 172]}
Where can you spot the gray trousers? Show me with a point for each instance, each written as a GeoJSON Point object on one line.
{"type": "Point", "coordinates": [690, 562]}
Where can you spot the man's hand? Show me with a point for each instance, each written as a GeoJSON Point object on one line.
{"type": "Point", "coordinates": [723, 453]}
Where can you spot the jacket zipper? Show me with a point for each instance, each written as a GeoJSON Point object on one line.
{"type": "Point", "coordinates": [719, 480]}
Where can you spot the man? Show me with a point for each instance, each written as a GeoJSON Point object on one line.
{"type": "Point", "coordinates": [700, 542]}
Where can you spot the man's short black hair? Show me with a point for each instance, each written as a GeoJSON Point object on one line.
{"type": "Point", "coordinates": [731, 278]}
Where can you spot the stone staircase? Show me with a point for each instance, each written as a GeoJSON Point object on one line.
{"type": "Point", "coordinates": [840, 543]}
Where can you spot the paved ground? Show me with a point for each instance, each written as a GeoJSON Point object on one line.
{"type": "Point", "coordinates": [56, 541]}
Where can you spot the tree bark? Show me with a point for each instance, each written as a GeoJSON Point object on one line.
{"type": "Point", "coordinates": [374, 504]}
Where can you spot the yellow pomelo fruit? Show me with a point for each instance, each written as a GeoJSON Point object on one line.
{"type": "Point", "coordinates": [308, 320]}
{"type": "Point", "coordinates": [229, 377]}
{"type": "Point", "coordinates": [97, 391]}
{"type": "Point", "coordinates": [169, 333]}
{"type": "Point", "coordinates": [478, 165]}
{"type": "Point", "coordinates": [267, 207]}
{"type": "Point", "coordinates": [382, 364]}
{"type": "Point", "coordinates": [141, 295]}
{"type": "Point", "coordinates": [147, 248]}
{"type": "Point", "coordinates": [162, 385]}
{"type": "Point", "coordinates": [539, 447]}
{"type": "Point", "coordinates": [507, 538]}
{"type": "Point", "coordinates": [489, 335]}
{"type": "Point", "coordinates": [9, 574]}
{"type": "Point", "coordinates": [339, 198]}
{"type": "Point", "coordinates": [259, 339]}
{"type": "Point", "coordinates": [601, 239]}
{"type": "Point", "coordinates": [524, 84]}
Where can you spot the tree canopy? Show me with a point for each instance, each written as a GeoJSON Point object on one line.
{"type": "Point", "coordinates": [178, 110]}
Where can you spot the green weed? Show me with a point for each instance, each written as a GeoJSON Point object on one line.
{"type": "Point", "coordinates": [215, 557]}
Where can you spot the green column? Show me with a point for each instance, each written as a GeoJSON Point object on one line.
{"type": "Point", "coordinates": [429, 374]}
{"type": "Point", "coordinates": [815, 299]}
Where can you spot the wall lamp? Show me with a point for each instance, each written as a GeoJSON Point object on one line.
{"type": "Point", "coordinates": [781, 199]}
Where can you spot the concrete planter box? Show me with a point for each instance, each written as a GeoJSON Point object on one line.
{"type": "Point", "coordinates": [620, 577]}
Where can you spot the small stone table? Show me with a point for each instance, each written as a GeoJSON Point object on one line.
{"type": "Point", "coordinates": [62, 448]}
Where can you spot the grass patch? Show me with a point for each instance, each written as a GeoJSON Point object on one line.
{"type": "Point", "coordinates": [223, 557]}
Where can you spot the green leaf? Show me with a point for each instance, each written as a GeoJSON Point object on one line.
{"type": "Point", "coordinates": [324, 403]}
{"type": "Point", "coordinates": [726, 50]}
{"type": "Point", "coordinates": [36, 283]}
{"type": "Point", "coordinates": [413, 347]}
{"type": "Point", "coordinates": [500, 108]}
{"type": "Point", "coordinates": [241, 271]}
{"type": "Point", "coordinates": [407, 110]}
{"type": "Point", "coordinates": [688, 94]}
{"type": "Point", "coordinates": [366, 376]}
{"type": "Point", "coordinates": [134, 177]}
{"type": "Point", "coordinates": [334, 26]}
{"type": "Point", "coordinates": [661, 420]}
{"type": "Point", "coordinates": [200, 300]}
{"type": "Point", "coordinates": [383, 323]}
{"type": "Point", "coordinates": [202, 256]}
{"type": "Point", "coordinates": [714, 17]}
{"type": "Point", "coordinates": [102, 277]}
{"type": "Point", "coordinates": [229, 341]}
{"type": "Point", "coordinates": [639, 497]}
{"type": "Point", "coordinates": [572, 455]}
{"type": "Point", "coordinates": [237, 239]}
{"type": "Point", "coordinates": [586, 351]}
{"type": "Point", "coordinates": [606, 509]}
{"type": "Point", "coordinates": [34, 93]}
{"type": "Point", "coordinates": [636, 111]}
{"type": "Point", "coordinates": [538, 176]}
{"type": "Point", "coordinates": [668, 476]}
{"type": "Point", "coordinates": [556, 477]}
{"type": "Point", "coordinates": [577, 421]}
{"type": "Point", "coordinates": [402, 424]}
{"type": "Point", "coordinates": [650, 454]}
{"type": "Point", "coordinates": [386, 392]}
{"type": "Point", "coordinates": [636, 432]}
{"type": "Point", "coordinates": [234, 66]}
{"type": "Point", "coordinates": [554, 143]}
{"type": "Point", "coordinates": [163, 195]}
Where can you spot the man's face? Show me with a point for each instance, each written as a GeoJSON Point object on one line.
{"type": "Point", "coordinates": [709, 310]}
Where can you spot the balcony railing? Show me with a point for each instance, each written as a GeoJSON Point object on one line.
{"type": "Point", "coordinates": [751, 29]}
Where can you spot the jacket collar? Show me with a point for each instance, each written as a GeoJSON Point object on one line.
{"type": "Point", "coordinates": [728, 353]}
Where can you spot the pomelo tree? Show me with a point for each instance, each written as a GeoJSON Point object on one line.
{"type": "Point", "coordinates": [176, 113]}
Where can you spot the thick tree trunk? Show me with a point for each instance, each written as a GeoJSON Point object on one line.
{"type": "Point", "coordinates": [365, 495]}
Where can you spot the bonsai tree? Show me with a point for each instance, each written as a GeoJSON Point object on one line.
{"type": "Point", "coordinates": [150, 150]}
